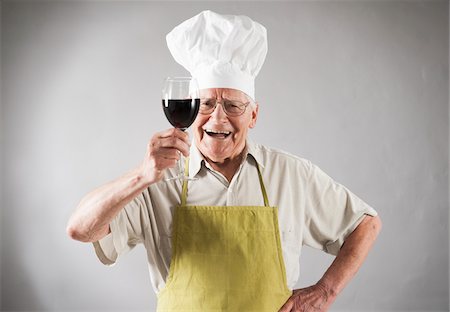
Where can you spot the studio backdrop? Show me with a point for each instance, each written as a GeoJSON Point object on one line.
{"type": "Point", "coordinates": [360, 88]}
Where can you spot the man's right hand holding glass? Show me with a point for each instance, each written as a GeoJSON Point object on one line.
{"type": "Point", "coordinates": [90, 221]}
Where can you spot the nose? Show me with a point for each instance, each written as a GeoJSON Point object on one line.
{"type": "Point", "coordinates": [219, 113]}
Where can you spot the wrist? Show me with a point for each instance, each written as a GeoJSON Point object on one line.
{"type": "Point", "coordinates": [328, 289]}
{"type": "Point", "coordinates": [139, 178]}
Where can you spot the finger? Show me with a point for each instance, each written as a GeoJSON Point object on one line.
{"type": "Point", "coordinates": [164, 163]}
{"type": "Point", "coordinates": [174, 132]}
{"type": "Point", "coordinates": [168, 153]}
{"type": "Point", "coordinates": [171, 137]}
{"type": "Point", "coordinates": [287, 307]}
{"type": "Point", "coordinates": [169, 163]}
{"type": "Point", "coordinates": [174, 143]}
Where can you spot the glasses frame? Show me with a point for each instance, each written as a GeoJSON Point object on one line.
{"type": "Point", "coordinates": [216, 101]}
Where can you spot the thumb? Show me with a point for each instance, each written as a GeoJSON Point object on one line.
{"type": "Point", "coordinates": [287, 307]}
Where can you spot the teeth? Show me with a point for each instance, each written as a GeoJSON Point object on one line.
{"type": "Point", "coordinates": [217, 131]}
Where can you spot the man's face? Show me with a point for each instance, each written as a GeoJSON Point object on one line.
{"type": "Point", "coordinates": [218, 136]}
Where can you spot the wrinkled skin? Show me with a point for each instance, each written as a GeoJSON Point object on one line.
{"type": "Point", "coordinates": [314, 298]}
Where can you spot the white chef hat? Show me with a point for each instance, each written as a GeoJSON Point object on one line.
{"type": "Point", "coordinates": [220, 51]}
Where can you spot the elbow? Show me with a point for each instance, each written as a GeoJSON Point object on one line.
{"type": "Point", "coordinates": [75, 233]}
{"type": "Point", "coordinates": [72, 232]}
{"type": "Point", "coordinates": [86, 233]}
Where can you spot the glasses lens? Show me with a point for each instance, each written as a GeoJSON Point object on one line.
{"type": "Point", "coordinates": [207, 106]}
{"type": "Point", "coordinates": [231, 108]}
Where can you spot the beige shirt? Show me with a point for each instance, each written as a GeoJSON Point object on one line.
{"type": "Point", "coordinates": [313, 209]}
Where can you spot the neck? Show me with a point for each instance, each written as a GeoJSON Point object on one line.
{"type": "Point", "coordinates": [228, 167]}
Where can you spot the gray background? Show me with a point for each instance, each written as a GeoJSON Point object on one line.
{"type": "Point", "coordinates": [359, 88]}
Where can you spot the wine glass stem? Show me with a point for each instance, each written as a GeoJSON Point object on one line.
{"type": "Point", "coordinates": [180, 167]}
{"type": "Point", "coordinates": [180, 161]}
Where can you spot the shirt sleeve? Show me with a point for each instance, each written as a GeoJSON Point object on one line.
{"type": "Point", "coordinates": [127, 230]}
{"type": "Point", "coordinates": [332, 212]}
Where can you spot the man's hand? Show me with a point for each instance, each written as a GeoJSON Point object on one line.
{"type": "Point", "coordinates": [315, 298]}
{"type": "Point", "coordinates": [352, 254]}
{"type": "Point", "coordinates": [163, 151]}
{"type": "Point", "coordinates": [90, 221]}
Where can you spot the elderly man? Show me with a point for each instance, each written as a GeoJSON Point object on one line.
{"type": "Point", "coordinates": [230, 240]}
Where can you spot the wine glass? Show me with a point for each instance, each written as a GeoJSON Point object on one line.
{"type": "Point", "coordinates": [180, 102]}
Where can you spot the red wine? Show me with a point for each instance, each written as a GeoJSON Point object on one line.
{"type": "Point", "coordinates": [181, 113]}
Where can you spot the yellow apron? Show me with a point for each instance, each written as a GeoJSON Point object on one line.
{"type": "Point", "coordinates": [225, 258]}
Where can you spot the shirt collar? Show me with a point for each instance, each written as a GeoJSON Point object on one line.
{"type": "Point", "coordinates": [196, 158]}
{"type": "Point", "coordinates": [255, 152]}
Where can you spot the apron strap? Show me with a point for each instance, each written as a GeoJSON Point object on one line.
{"type": "Point", "coordinates": [263, 188]}
{"type": "Point", "coordinates": [184, 191]}
{"type": "Point", "coordinates": [185, 186]}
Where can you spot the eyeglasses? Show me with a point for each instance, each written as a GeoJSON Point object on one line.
{"type": "Point", "coordinates": [232, 108]}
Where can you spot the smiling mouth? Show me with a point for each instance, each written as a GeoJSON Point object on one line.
{"type": "Point", "coordinates": [217, 133]}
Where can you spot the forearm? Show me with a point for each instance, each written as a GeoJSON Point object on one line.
{"type": "Point", "coordinates": [91, 219]}
{"type": "Point", "coordinates": [350, 257]}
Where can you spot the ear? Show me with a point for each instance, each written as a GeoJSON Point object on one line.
{"type": "Point", "coordinates": [254, 116]}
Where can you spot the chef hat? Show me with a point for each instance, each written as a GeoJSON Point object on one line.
{"type": "Point", "coordinates": [220, 51]}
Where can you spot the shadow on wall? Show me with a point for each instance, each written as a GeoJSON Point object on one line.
{"type": "Point", "coordinates": [20, 283]}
